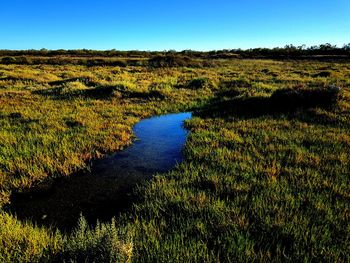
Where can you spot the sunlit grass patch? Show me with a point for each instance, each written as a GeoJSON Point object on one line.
{"type": "Point", "coordinates": [22, 242]}
{"type": "Point", "coordinates": [258, 183]}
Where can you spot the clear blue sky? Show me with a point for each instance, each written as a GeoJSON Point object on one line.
{"type": "Point", "coordinates": [171, 24]}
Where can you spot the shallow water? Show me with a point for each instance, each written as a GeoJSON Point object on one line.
{"type": "Point", "coordinates": [107, 189]}
{"type": "Point", "coordinates": [158, 148]}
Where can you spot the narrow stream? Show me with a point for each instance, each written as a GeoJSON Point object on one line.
{"type": "Point", "coordinates": [107, 190]}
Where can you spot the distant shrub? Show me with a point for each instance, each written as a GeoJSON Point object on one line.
{"type": "Point", "coordinates": [225, 55]}
{"type": "Point", "coordinates": [173, 61]}
{"type": "Point", "coordinates": [23, 60]}
{"type": "Point", "coordinates": [54, 61]}
{"type": "Point", "coordinates": [8, 60]}
{"type": "Point", "coordinates": [120, 63]}
{"type": "Point", "coordinates": [108, 62]}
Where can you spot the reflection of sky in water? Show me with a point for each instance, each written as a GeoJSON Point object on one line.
{"type": "Point", "coordinates": [104, 192]}
{"type": "Point", "coordinates": [157, 148]}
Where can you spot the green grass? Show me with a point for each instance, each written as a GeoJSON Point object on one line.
{"type": "Point", "coordinates": [268, 186]}
{"type": "Point", "coordinates": [52, 130]}
{"type": "Point", "coordinates": [260, 189]}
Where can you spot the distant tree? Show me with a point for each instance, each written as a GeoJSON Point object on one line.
{"type": "Point", "coordinates": [346, 47]}
{"type": "Point", "coordinates": [327, 46]}
{"type": "Point", "coordinates": [290, 47]}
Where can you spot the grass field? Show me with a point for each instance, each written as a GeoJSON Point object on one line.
{"type": "Point", "coordinates": [256, 184]}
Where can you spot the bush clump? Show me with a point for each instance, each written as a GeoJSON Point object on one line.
{"type": "Point", "coordinates": [22, 60]}
{"type": "Point", "coordinates": [170, 61]}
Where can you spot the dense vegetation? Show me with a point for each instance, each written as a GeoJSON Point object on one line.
{"type": "Point", "coordinates": [171, 58]}
{"type": "Point", "coordinates": [265, 177]}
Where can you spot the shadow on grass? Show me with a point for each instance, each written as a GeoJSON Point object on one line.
{"type": "Point", "coordinates": [17, 79]}
{"type": "Point", "coordinates": [59, 202]}
{"type": "Point", "coordinates": [99, 92]}
{"type": "Point", "coordinates": [270, 238]}
{"type": "Point", "coordinates": [229, 103]}
{"type": "Point", "coordinates": [85, 80]}
{"type": "Point", "coordinates": [16, 118]}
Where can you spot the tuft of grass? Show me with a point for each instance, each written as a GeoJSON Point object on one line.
{"type": "Point", "coordinates": [102, 243]}
{"type": "Point", "coordinates": [24, 242]}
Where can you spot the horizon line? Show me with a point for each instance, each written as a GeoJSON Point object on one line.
{"type": "Point", "coordinates": [303, 46]}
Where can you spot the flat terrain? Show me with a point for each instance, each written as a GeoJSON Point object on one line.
{"type": "Point", "coordinates": [257, 183]}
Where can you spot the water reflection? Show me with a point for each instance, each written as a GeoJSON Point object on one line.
{"type": "Point", "coordinates": [108, 188]}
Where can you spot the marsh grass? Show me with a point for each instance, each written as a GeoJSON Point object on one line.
{"type": "Point", "coordinates": [255, 185]}
{"type": "Point", "coordinates": [266, 188]}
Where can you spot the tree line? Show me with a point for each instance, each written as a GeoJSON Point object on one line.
{"type": "Point", "coordinates": [136, 57]}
